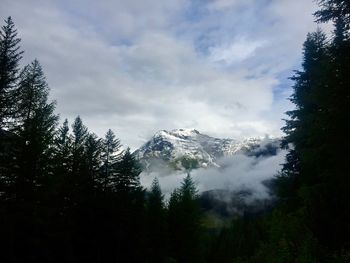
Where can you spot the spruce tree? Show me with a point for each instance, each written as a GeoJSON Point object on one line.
{"type": "Point", "coordinates": [111, 155]}
{"type": "Point", "coordinates": [332, 10]}
{"type": "Point", "coordinates": [80, 134]}
{"type": "Point", "coordinates": [62, 150]}
{"type": "Point", "coordinates": [35, 128]}
{"type": "Point", "coordinates": [129, 207]}
{"type": "Point", "coordinates": [10, 56]}
{"type": "Point", "coordinates": [80, 181]}
{"type": "Point", "coordinates": [127, 178]}
{"type": "Point", "coordinates": [303, 122]}
{"type": "Point", "coordinates": [184, 220]}
{"type": "Point", "coordinates": [155, 197]}
{"type": "Point", "coordinates": [156, 224]}
{"type": "Point", "coordinates": [35, 124]}
{"type": "Point", "coordinates": [314, 174]}
{"type": "Point", "coordinates": [93, 156]}
{"type": "Point", "coordinates": [188, 188]}
{"type": "Point", "coordinates": [332, 226]}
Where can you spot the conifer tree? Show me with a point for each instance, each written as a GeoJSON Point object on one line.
{"type": "Point", "coordinates": [130, 208]}
{"type": "Point", "coordinates": [332, 10]}
{"type": "Point", "coordinates": [156, 223]}
{"type": "Point", "coordinates": [127, 178]}
{"type": "Point", "coordinates": [315, 169]}
{"type": "Point", "coordinates": [111, 155]}
{"type": "Point", "coordinates": [35, 124]}
{"type": "Point", "coordinates": [188, 188]}
{"type": "Point", "coordinates": [62, 150]}
{"type": "Point", "coordinates": [331, 225]}
{"type": "Point", "coordinates": [10, 56]}
{"type": "Point", "coordinates": [93, 155]}
{"type": "Point", "coordinates": [80, 134]}
{"type": "Point", "coordinates": [185, 223]}
{"type": "Point", "coordinates": [303, 122]}
{"type": "Point", "coordinates": [155, 197]}
{"type": "Point", "coordinates": [80, 180]}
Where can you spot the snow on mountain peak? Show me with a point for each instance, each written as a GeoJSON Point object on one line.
{"type": "Point", "coordinates": [188, 148]}
{"type": "Point", "coordinates": [178, 133]}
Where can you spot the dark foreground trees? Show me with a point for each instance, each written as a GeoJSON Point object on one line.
{"type": "Point", "coordinates": [184, 219]}
{"type": "Point", "coordinates": [312, 221]}
{"type": "Point", "coordinates": [316, 172]}
{"type": "Point", "coordinates": [68, 196]}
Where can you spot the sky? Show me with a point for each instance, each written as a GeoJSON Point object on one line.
{"type": "Point", "coordinates": [139, 66]}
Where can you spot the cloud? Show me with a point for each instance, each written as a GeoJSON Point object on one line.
{"type": "Point", "coordinates": [235, 52]}
{"type": "Point", "coordinates": [237, 173]}
{"type": "Point", "coordinates": [141, 66]}
{"type": "Point", "coordinates": [225, 4]}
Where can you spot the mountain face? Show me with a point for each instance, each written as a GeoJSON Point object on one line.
{"type": "Point", "coordinates": [183, 149]}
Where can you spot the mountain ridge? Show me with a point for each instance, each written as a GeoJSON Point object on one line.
{"type": "Point", "coordinates": [184, 149]}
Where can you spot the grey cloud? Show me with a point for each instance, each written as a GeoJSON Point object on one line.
{"type": "Point", "coordinates": [141, 66]}
{"type": "Point", "coordinates": [238, 173]}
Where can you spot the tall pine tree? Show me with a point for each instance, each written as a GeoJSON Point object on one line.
{"type": "Point", "coordinates": [156, 223]}
{"type": "Point", "coordinates": [111, 156]}
{"type": "Point", "coordinates": [10, 56]}
{"type": "Point", "coordinates": [127, 178]}
{"type": "Point", "coordinates": [35, 124]}
{"type": "Point", "coordinates": [315, 172]}
{"type": "Point", "coordinates": [184, 220]}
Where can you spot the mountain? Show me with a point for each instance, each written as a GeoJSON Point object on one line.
{"type": "Point", "coordinates": [183, 149]}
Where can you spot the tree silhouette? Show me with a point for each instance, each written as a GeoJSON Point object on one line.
{"type": "Point", "coordinates": [10, 56]}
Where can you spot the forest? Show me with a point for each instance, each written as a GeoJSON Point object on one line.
{"type": "Point", "coordinates": [67, 195]}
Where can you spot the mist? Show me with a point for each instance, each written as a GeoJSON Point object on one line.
{"type": "Point", "coordinates": [236, 173]}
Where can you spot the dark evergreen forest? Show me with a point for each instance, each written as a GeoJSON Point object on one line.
{"type": "Point", "coordinates": [67, 195]}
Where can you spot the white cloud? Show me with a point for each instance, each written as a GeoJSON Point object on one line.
{"type": "Point", "coordinates": [236, 52]}
{"type": "Point", "coordinates": [224, 4]}
{"type": "Point", "coordinates": [239, 173]}
{"type": "Point", "coordinates": [141, 66]}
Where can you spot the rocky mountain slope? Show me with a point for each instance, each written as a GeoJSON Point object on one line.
{"type": "Point", "coordinates": [183, 149]}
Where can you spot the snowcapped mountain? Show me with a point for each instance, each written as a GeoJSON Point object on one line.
{"type": "Point", "coordinates": [188, 149]}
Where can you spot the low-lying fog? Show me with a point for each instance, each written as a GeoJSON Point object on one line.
{"type": "Point", "coordinates": [236, 173]}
